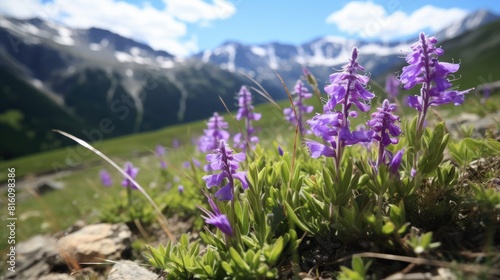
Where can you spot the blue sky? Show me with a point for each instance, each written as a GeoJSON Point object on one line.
{"type": "Point", "coordinates": [183, 27]}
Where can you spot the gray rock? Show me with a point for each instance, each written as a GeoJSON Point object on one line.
{"type": "Point", "coordinates": [48, 186]}
{"type": "Point", "coordinates": [479, 124]}
{"type": "Point", "coordinates": [93, 243]}
{"type": "Point", "coordinates": [125, 270]}
{"type": "Point", "coordinates": [35, 257]}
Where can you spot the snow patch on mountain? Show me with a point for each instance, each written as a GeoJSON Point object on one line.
{"type": "Point", "coordinates": [259, 51]}
{"type": "Point", "coordinates": [64, 36]}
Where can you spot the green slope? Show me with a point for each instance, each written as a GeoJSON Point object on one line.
{"type": "Point", "coordinates": [132, 145]}
{"type": "Point", "coordinates": [26, 118]}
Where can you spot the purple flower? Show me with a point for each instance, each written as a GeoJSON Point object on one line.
{"type": "Point", "coordinates": [106, 179]}
{"type": "Point", "coordinates": [392, 86]}
{"type": "Point", "coordinates": [163, 164]}
{"type": "Point", "coordinates": [327, 125]}
{"type": "Point", "coordinates": [280, 151]}
{"type": "Point", "coordinates": [175, 143]}
{"type": "Point", "coordinates": [216, 131]}
{"type": "Point", "coordinates": [132, 172]}
{"type": "Point", "coordinates": [316, 149]}
{"type": "Point", "coordinates": [413, 172]}
{"type": "Point", "coordinates": [160, 151]}
{"type": "Point", "coordinates": [195, 162]}
{"type": "Point", "coordinates": [396, 163]}
{"type": "Point", "coordinates": [347, 88]}
{"type": "Point", "coordinates": [180, 189]}
{"type": "Point", "coordinates": [245, 106]}
{"type": "Point", "coordinates": [241, 142]}
{"type": "Point", "coordinates": [216, 218]}
{"type": "Point", "coordinates": [246, 112]}
{"type": "Point", "coordinates": [424, 68]}
{"type": "Point", "coordinates": [224, 160]}
{"type": "Point", "coordinates": [383, 124]}
{"type": "Point", "coordinates": [296, 117]}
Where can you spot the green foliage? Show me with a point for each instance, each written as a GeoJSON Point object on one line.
{"type": "Point", "coordinates": [421, 243]}
{"type": "Point", "coordinates": [121, 209]}
{"type": "Point", "coordinates": [469, 149]}
{"type": "Point", "coordinates": [358, 270]}
{"type": "Point", "coordinates": [434, 144]}
{"type": "Point", "coordinates": [183, 261]}
{"type": "Point", "coordinates": [337, 211]}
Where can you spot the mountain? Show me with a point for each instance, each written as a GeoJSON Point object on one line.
{"type": "Point", "coordinates": [98, 84]}
{"type": "Point", "coordinates": [322, 54]}
{"type": "Point", "coordinates": [319, 56]}
{"type": "Point", "coordinates": [89, 80]}
{"type": "Point", "coordinates": [470, 22]}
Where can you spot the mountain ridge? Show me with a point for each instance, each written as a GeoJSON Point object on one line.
{"type": "Point", "coordinates": [95, 74]}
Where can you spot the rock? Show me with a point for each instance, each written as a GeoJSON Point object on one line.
{"type": "Point", "coordinates": [48, 186]}
{"type": "Point", "coordinates": [36, 257]}
{"type": "Point", "coordinates": [125, 270]}
{"type": "Point", "coordinates": [94, 243]}
{"type": "Point", "coordinates": [480, 124]}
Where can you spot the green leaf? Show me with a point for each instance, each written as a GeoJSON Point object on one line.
{"type": "Point", "coordinates": [227, 267]}
{"type": "Point", "coordinates": [493, 145]}
{"type": "Point", "coordinates": [235, 256]}
{"type": "Point", "coordinates": [293, 217]}
{"type": "Point", "coordinates": [274, 252]}
{"type": "Point", "coordinates": [363, 180]}
{"type": "Point", "coordinates": [388, 228]}
{"type": "Point", "coordinates": [411, 131]}
{"type": "Point", "coordinates": [285, 173]}
{"type": "Point", "coordinates": [358, 265]}
{"type": "Point", "coordinates": [426, 239]}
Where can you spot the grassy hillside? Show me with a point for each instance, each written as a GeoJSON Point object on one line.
{"type": "Point", "coordinates": [26, 118]}
{"type": "Point", "coordinates": [128, 146]}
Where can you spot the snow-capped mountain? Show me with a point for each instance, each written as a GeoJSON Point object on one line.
{"type": "Point", "coordinates": [470, 22]}
{"type": "Point", "coordinates": [92, 44]}
{"type": "Point", "coordinates": [53, 76]}
{"type": "Point", "coordinates": [322, 54]}
{"type": "Point", "coordinates": [262, 62]}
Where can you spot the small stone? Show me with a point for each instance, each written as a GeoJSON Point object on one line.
{"type": "Point", "coordinates": [48, 186]}
{"type": "Point", "coordinates": [94, 243]}
{"type": "Point", "coordinates": [128, 270]}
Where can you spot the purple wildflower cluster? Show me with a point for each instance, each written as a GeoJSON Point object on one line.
{"type": "Point", "coordinates": [160, 152]}
{"type": "Point", "coordinates": [132, 171]}
{"type": "Point", "coordinates": [296, 116]}
{"type": "Point", "coordinates": [106, 179]}
{"type": "Point", "coordinates": [347, 88]}
{"type": "Point", "coordinates": [224, 160]}
{"type": "Point", "coordinates": [216, 131]}
{"type": "Point", "coordinates": [246, 111]}
{"type": "Point", "coordinates": [385, 130]}
{"type": "Point", "coordinates": [424, 68]}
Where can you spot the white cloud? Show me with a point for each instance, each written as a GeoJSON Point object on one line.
{"type": "Point", "coordinates": [198, 10]}
{"type": "Point", "coordinates": [164, 29]}
{"type": "Point", "coordinates": [20, 8]}
{"type": "Point", "coordinates": [369, 20]}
